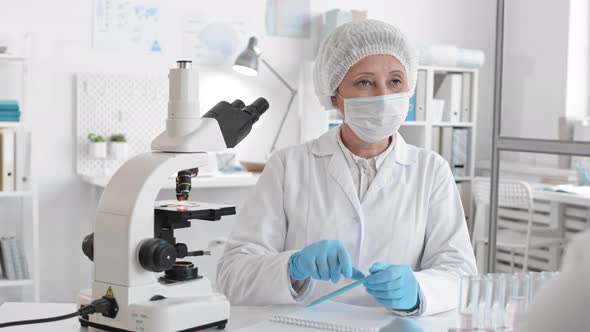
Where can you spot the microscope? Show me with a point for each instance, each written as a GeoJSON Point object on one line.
{"type": "Point", "coordinates": [137, 261]}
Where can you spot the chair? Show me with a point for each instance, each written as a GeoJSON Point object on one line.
{"type": "Point", "coordinates": [512, 194]}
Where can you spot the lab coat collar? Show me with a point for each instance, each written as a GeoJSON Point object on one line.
{"type": "Point", "coordinates": [327, 144]}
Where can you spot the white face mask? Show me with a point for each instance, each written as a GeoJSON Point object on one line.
{"type": "Point", "coordinates": [373, 119]}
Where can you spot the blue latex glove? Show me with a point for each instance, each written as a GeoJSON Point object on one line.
{"type": "Point", "coordinates": [394, 286]}
{"type": "Point", "coordinates": [323, 260]}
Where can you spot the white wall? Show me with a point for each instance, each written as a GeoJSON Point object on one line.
{"type": "Point", "coordinates": [63, 47]}
{"type": "Point", "coordinates": [535, 68]}
{"type": "Point", "coordinates": [578, 69]}
{"type": "Point", "coordinates": [546, 70]}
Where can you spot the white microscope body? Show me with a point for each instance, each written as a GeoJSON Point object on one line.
{"type": "Point", "coordinates": [125, 221]}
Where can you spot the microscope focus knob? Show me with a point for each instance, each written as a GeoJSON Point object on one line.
{"type": "Point", "coordinates": [88, 246]}
{"type": "Point", "coordinates": [157, 255]}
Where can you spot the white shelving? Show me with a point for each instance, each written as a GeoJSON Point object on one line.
{"type": "Point", "coordinates": [431, 132]}
{"type": "Point", "coordinates": [9, 124]}
{"type": "Point", "coordinates": [16, 283]}
{"type": "Point", "coordinates": [27, 193]}
{"type": "Point", "coordinates": [453, 124]}
{"type": "Point", "coordinates": [29, 226]}
{"type": "Point", "coordinates": [12, 57]}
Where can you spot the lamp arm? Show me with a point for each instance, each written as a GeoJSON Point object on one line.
{"type": "Point", "coordinates": [293, 90]}
{"type": "Point", "coordinates": [276, 138]}
{"type": "Point", "coordinates": [293, 94]}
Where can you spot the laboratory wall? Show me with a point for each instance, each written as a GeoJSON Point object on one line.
{"type": "Point", "coordinates": [62, 32]}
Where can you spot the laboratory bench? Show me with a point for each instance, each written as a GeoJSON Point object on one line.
{"type": "Point", "coordinates": [222, 180]}
{"type": "Point", "coordinates": [241, 317]}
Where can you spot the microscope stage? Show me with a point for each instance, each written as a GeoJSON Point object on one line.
{"type": "Point", "coordinates": [188, 210]}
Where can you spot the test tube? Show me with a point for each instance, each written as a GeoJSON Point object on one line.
{"type": "Point", "coordinates": [485, 303]}
{"type": "Point", "coordinates": [468, 302]}
{"type": "Point", "coordinates": [537, 281]}
{"type": "Point", "coordinates": [499, 300]}
{"type": "Point", "coordinates": [518, 295]}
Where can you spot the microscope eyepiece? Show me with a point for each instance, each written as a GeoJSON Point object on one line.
{"type": "Point", "coordinates": [238, 104]}
{"type": "Point", "coordinates": [236, 119]}
{"type": "Point", "coordinates": [261, 105]}
{"type": "Point", "coordinates": [257, 108]}
{"type": "Point", "coordinates": [184, 64]}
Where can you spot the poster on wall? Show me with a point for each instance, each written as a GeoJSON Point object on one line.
{"type": "Point", "coordinates": [209, 41]}
{"type": "Point", "coordinates": [288, 18]}
{"type": "Point", "coordinates": [127, 25]}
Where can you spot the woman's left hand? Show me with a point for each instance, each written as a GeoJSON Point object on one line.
{"type": "Point", "coordinates": [394, 286]}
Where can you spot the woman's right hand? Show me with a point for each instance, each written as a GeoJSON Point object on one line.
{"type": "Point", "coordinates": [323, 260]}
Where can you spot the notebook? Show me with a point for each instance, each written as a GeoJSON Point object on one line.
{"type": "Point", "coordinates": [330, 316]}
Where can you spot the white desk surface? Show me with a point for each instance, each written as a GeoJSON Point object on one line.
{"type": "Point", "coordinates": [240, 317]}
{"type": "Point", "coordinates": [559, 197]}
{"type": "Point", "coordinates": [221, 180]}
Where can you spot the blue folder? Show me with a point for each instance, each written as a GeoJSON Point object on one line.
{"type": "Point", "coordinates": [412, 112]}
{"type": "Point", "coordinates": [9, 112]}
{"type": "Point", "coordinates": [10, 104]}
{"type": "Point", "coordinates": [13, 118]}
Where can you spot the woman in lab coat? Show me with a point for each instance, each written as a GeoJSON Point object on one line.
{"type": "Point", "coordinates": [357, 200]}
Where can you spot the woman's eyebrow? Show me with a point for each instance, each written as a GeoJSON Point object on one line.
{"type": "Point", "coordinates": [364, 73]}
{"type": "Point", "coordinates": [372, 74]}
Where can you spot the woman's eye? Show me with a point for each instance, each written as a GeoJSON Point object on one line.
{"type": "Point", "coordinates": [363, 83]}
{"type": "Point", "coordinates": [396, 82]}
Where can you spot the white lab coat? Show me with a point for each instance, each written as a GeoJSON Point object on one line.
{"type": "Point", "coordinates": [411, 214]}
{"type": "Point", "coordinates": [563, 304]}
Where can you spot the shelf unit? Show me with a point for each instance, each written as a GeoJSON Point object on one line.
{"type": "Point", "coordinates": [9, 124]}
{"type": "Point", "coordinates": [16, 283]}
{"type": "Point", "coordinates": [315, 120]}
{"type": "Point", "coordinates": [430, 133]}
{"type": "Point", "coordinates": [27, 193]}
{"type": "Point", "coordinates": [29, 205]}
{"type": "Point", "coordinates": [12, 57]}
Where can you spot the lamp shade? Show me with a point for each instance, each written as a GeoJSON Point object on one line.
{"type": "Point", "coordinates": [247, 62]}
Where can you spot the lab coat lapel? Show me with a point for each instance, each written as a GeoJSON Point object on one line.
{"type": "Point", "coordinates": [393, 171]}
{"type": "Point", "coordinates": [336, 167]}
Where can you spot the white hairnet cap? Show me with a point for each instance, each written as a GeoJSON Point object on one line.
{"type": "Point", "coordinates": [350, 43]}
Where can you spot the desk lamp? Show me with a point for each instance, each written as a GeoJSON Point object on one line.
{"type": "Point", "coordinates": [247, 64]}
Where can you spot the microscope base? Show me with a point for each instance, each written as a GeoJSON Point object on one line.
{"type": "Point", "coordinates": [84, 323]}
{"type": "Point", "coordinates": [173, 312]}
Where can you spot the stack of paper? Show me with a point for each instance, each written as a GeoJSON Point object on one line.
{"type": "Point", "coordinates": [571, 189]}
{"type": "Point", "coordinates": [12, 260]}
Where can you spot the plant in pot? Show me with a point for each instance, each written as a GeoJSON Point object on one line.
{"type": "Point", "coordinates": [98, 146]}
{"type": "Point", "coordinates": [119, 147]}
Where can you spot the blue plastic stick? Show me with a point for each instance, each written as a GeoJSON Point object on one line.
{"type": "Point", "coordinates": [338, 292]}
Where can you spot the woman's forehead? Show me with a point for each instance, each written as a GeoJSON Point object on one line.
{"type": "Point", "coordinates": [377, 64]}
